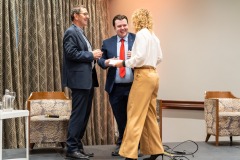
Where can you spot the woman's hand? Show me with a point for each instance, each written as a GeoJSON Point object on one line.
{"type": "Point", "coordinates": [107, 62]}
{"type": "Point", "coordinates": [119, 64]}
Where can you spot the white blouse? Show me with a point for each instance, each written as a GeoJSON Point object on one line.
{"type": "Point", "coordinates": [146, 50]}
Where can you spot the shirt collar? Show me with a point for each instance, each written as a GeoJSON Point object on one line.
{"type": "Point", "coordinates": [78, 28]}
{"type": "Point", "coordinates": [125, 38]}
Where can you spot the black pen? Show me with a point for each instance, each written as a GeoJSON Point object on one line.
{"type": "Point", "coordinates": [52, 116]}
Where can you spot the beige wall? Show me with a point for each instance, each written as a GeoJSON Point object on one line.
{"type": "Point", "coordinates": [200, 43]}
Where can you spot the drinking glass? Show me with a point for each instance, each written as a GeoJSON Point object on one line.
{"type": "Point", "coordinates": [13, 95]}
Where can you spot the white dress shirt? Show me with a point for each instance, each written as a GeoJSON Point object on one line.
{"type": "Point", "coordinates": [146, 50]}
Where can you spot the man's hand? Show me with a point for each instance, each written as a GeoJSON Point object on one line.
{"type": "Point", "coordinates": [97, 54]}
{"type": "Point", "coordinates": [107, 62]}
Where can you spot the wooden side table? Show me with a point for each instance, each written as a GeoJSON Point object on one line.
{"type": "Point", "coordinates": [14, 114]}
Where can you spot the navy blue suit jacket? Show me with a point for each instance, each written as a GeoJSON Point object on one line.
{"type": "Point", "coordinates": [109, 49]}
{"type": "Point", "coordinates": [77, 61]}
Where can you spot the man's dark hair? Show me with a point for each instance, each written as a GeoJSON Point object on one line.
{"type": "Point", "coordinates": [119, 17]}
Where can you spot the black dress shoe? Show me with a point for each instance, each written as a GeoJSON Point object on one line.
{"type": "Point", "coordinates": [77, 155]}
{"type": "Point", "coordinates": [129, 159]}
{"type": "Point", "coordinates": [139, 154]}
{"type": "Point", "coordinates": [86, 153]}
{"type": "Point", "coordinates": [116, 152]}
{"type": "Point", "coordinates": [153, 157]}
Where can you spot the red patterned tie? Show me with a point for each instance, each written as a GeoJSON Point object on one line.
{"type": "Point", "coordinates": [122, 70]}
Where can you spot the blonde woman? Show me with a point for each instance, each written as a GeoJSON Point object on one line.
{"type": "Point", "coordinates": [142, 123]}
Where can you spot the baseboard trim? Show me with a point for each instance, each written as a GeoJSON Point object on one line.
{"type": "Point", "coordinates": [182, 105]}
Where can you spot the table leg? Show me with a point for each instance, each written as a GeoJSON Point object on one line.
{"type": "Point", "coordinates": [27, 143]}
{"type": "Point", "coordinates": [1, 128]}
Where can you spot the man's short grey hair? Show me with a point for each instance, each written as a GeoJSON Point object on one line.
{"type": "Point", "coordinates": [76, 10]}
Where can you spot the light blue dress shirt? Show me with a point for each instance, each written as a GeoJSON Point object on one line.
{"type": "Point", "coordinates": [128, 78]}
{"type": "Point", "coordinates": [88, 43]}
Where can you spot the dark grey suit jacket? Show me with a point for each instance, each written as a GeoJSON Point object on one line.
{"type": "Point", "coordinates": [77, 61]}
{"type": "Point", "coordinates": [109, 49]}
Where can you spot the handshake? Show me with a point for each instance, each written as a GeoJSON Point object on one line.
{"type": "Point", "coordinates": [115, 62]}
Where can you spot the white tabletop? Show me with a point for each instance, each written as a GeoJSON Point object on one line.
{"type": "Point", "coordinates": [13, 114]}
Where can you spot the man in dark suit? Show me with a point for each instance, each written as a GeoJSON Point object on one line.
{"type": "Point", "coordinates": [79, 75]}
{"type": "Point", "coordinates": [118, 86]}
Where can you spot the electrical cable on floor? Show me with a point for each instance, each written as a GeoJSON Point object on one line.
{"type": "Point", "coordinates": [174, 154]}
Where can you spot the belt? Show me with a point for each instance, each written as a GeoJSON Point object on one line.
{"type": "Point", "coordinates": [123, 84]}
{"type": "Point", "coordinates": [145, 67]}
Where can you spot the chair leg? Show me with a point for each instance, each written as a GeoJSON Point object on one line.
{"type": "Point", "coordinates": [62, 144]}
{"type": "Point", "coordinates": [216, 138]}
{"type": "Point", "coordinates": [207, 138]}
{"type": "Point", "coordinates": [230, 140]}
{"type": "Point", "coordinates": [31, 145]}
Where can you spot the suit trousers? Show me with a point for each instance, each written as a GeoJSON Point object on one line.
{"type": "Point", "coordinates": [118, 99]}
{"type": "Point", "coordinates": [142, 125]}
{"type": "Point", "coordinates": [81, 109]}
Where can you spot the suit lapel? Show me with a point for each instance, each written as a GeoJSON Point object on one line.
{"type": "Point", "coordinates": [130, 44]}
{"type": "Point", "coordinates": [81, 37]}
{"type": "Point", "coordinates": [114, 44]}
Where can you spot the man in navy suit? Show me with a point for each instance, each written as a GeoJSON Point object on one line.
{"type": "Point", "coordinates": [116, 86]}
{"type": "Point", "coordinates": [79, 74]}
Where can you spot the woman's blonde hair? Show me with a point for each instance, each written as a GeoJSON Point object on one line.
{"type": "Point", "coordinates": [142, 18]}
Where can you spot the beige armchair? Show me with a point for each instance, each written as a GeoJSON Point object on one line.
{"type": "Point", "coordinates": [222, 115]}
{"type": "Point", "coordinates": [45, 129]}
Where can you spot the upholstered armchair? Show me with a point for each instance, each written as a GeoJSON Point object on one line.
{"type": "Point", "coordinates": [222, 115]}
{"type": "Point", "coordinates": [43, 128]}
